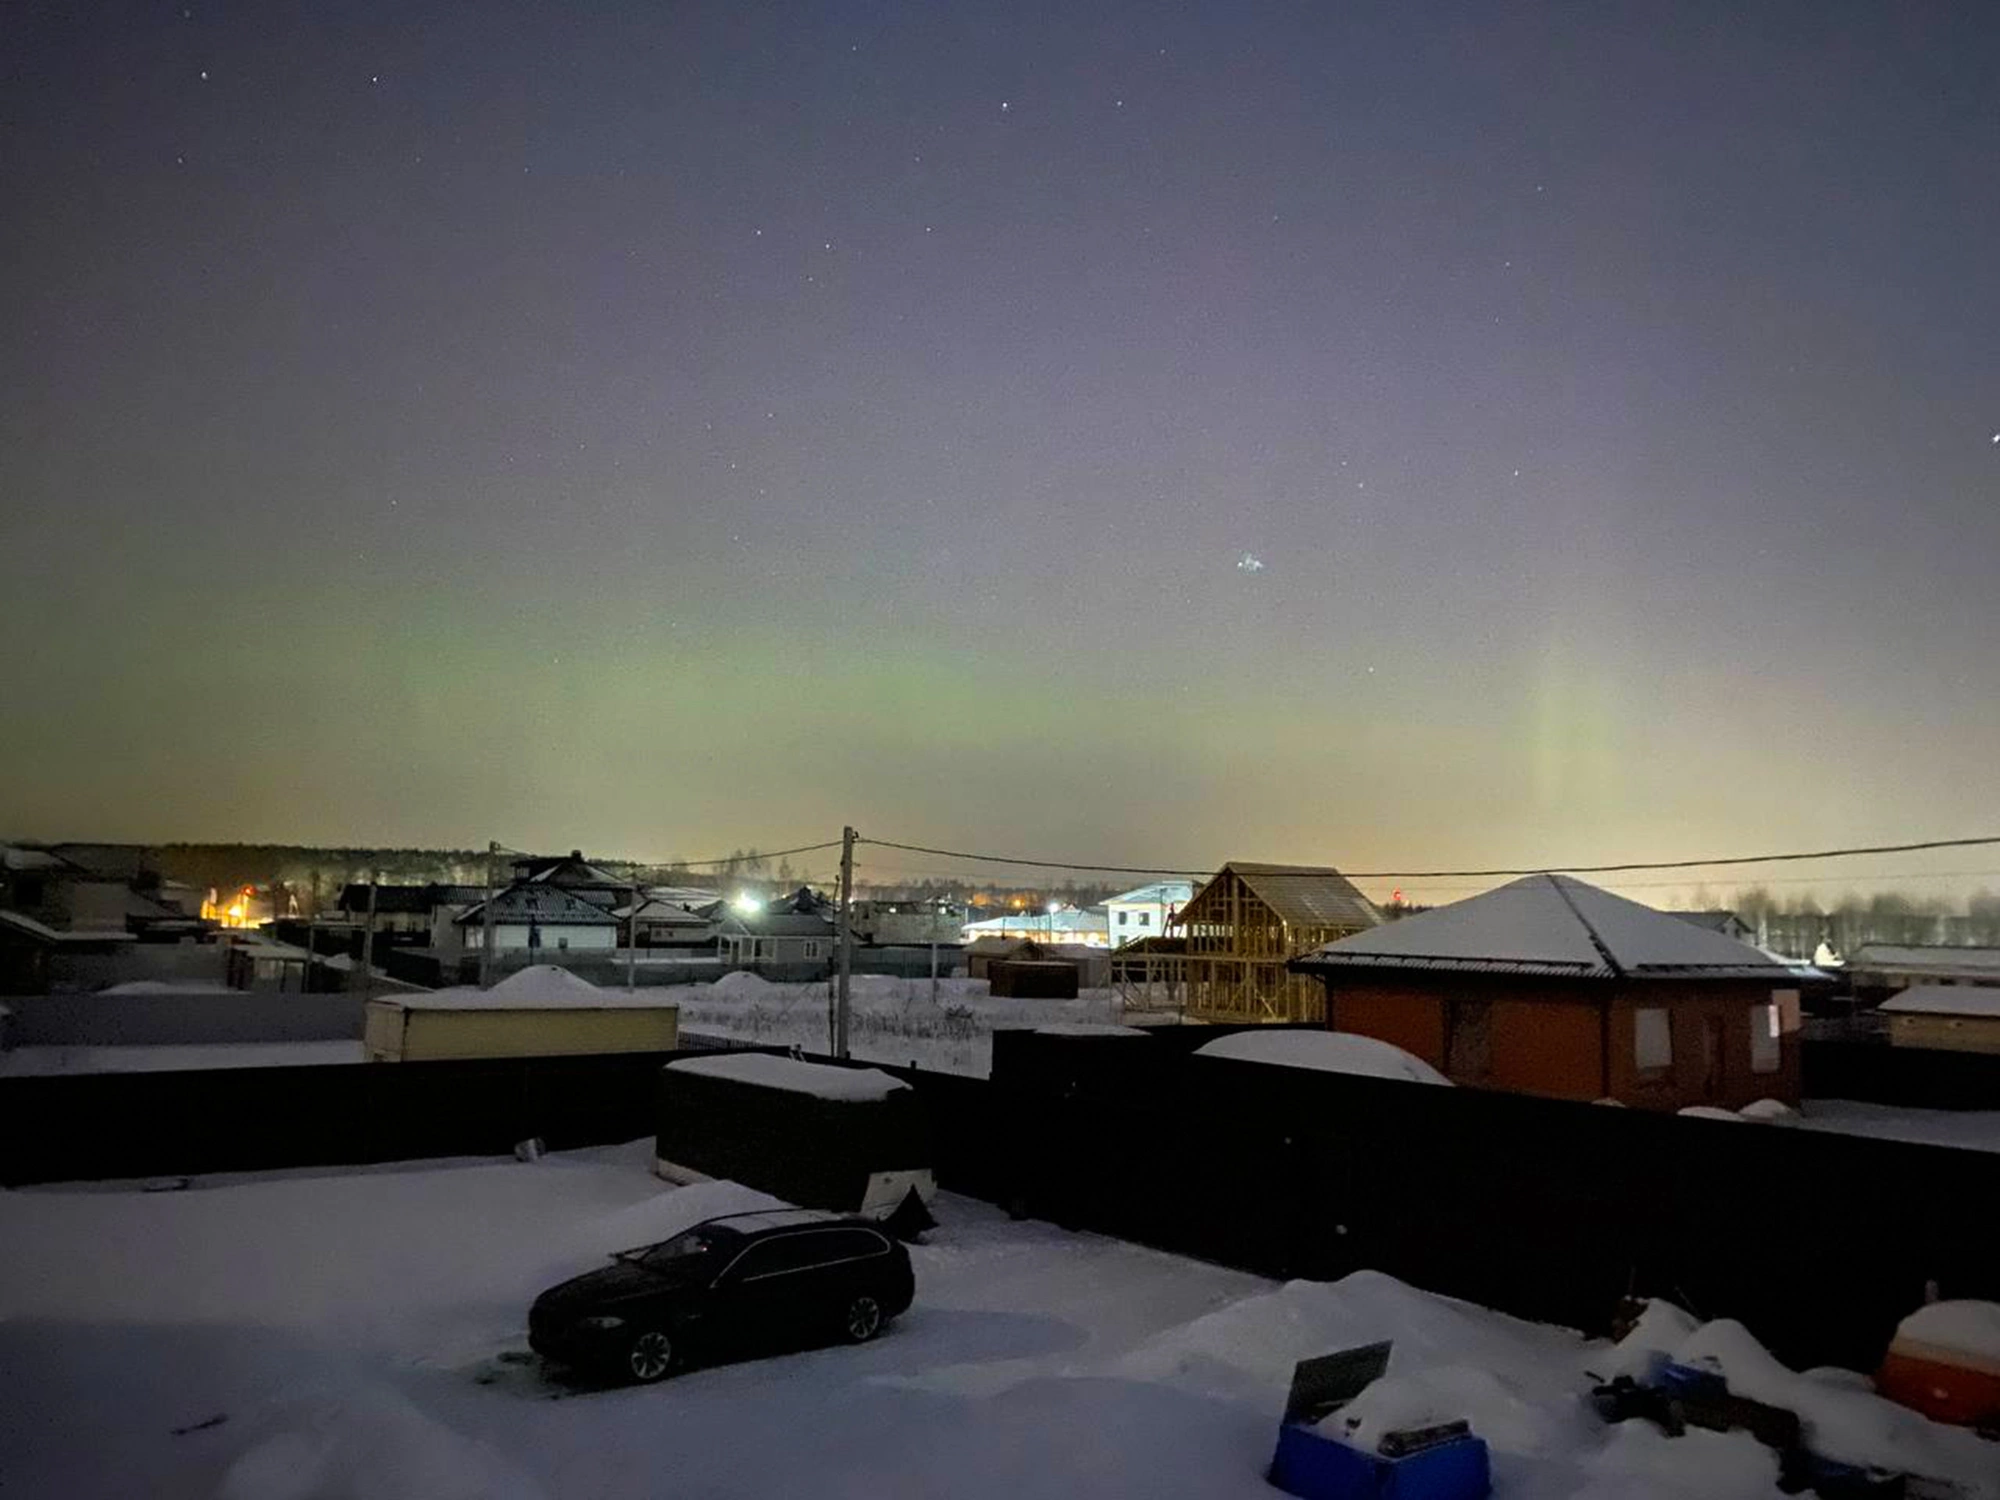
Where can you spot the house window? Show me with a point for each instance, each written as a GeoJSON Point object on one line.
{"type": "Point", "coordinates": [562, 944]}
{"type": "Point", "coordinates": [1122, 916]}
{"type": "Point", "coordinates": [1145, 919]}
{"type": "Point", "coordinates": [1468, 1039]}
{"type": "Point", "coordinates": [1652, 1039]}
{"type": "Point", "coordinates": [812, 950]}
{"type": "Point", "coordinates": [1765, 1025]}
{"type": "Point", "coordinates": [765, 948]}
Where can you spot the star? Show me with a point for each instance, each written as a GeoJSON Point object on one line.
{"type": "Point", "coordinates": [1004, 105]}
{"type": "Point", "coordinates": [204, 75]}
{"type": "Point", "coordinates": [1996, 438]}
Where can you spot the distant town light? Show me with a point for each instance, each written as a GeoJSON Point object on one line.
{"type": "Point", "coordinates": [1054, 907]}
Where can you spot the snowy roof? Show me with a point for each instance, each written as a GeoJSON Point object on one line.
{"type": "Point", "coordinates": [1714, 921]}
{"type": "Point", "coordinates": [545, 905]}
{"type": "Point", "coordinates": [657, 910]}
{"type": "Point", "coordinates": [848, 1085]}
{"type": "Point", "coordinates": [42, 932]}
{"type": "Point", "coordinates": [1939, 960]}
{"type": "Point", "coordinates": [1032, 922]}
{"type": "Point", "coordinates": [1087, 1028]}
{"type": "Point", "coordinates": [538, 987]}
{"type": "Point", "coordinates": [1946, 1000]}
{"type": "Point", "coordinates": [1325, 1052]}
{"type": "Point", "coordinates": [1300, 895]}
{"type": "Point", "coordinates": [388, 898]}
{"type": "Point", "coordinates": [1159, 893]}
{"type": "Point", "coordinates": [1549, 924]}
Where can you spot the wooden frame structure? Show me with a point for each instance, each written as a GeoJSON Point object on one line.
{"type": "Point", "coordinates": [1235, 937]}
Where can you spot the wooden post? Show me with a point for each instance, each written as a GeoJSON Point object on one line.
{"type": "Point", "coordinates": [632, 932]}
{"type": "Point", "coordinates": [486, 923]}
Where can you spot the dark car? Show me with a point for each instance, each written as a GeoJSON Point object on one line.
{"type": "Point", "coordinates": [735, 1282]}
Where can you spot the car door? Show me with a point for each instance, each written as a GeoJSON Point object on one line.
{"type": "Point", "coordinates": [766, 1296]}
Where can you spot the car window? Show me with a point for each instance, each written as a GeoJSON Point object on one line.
{"type": "Point", "coordinates": [797, 1252]}
{"type": "Point", "coordinates": [682, 1248]}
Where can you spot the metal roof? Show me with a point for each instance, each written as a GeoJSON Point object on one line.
{"type": "Point", "coordinates": [546, 905]}
{"type": "Point", "coordinates": [1549, 925]}
{"type": "Point", "coordinates": [1300, 895]}
{"type": "Point", "coordinates": [1909, 958]}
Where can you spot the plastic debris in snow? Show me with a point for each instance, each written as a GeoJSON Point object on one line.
{"type": "Point", "coordinates": [1945, 1363]}
{"type": "Point", "coordinates": [1326, 1051]}
{"type": "Point", "coordinates": [1410, 1441]}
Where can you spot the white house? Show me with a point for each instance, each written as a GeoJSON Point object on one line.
{"type": "Point", "coordinates": [539, 917]}
{"type": "Point", "coordinates": [1145, 912]}
{"type": "Point", "coordinates": [1064, 925]}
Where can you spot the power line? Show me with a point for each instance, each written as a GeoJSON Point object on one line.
{"type": "Point", "coordinates": [1610, 869]}
{"type": "Point", "coordinates": [747, 854]}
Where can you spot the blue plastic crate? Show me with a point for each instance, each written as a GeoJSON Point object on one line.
{"type": "Point", "coordinates": [1316, 1466]}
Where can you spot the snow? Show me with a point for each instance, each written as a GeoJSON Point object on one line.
{"type": "Point", "coordinates": [891, 1020]}
{"type": "Point", "coordinates": [1325, 1051]}
{"type": "Point", "coordinates": [1946, 1000]}
{"type": "Point", "coordinates": [1774, 1110]}
{"type": "Point", "coordinates": [1839, 1422]}
{"type": "Point", "coordinates": [1972, 1130]}
{"type": "Point", "coordinates": [822, 1081]}
{"type": "Point", "coordinates": [1660, 1329]}
{"type": "Point", "coordinates": [168, 987]}
{"type": "Point", "coordinates": [539, 987]}
{"type": "Point", "coordinates": [1088, 1028]}
{"type": "Point", "coordinates": [360, 1334]}
{"type": "Point", "coordinates": [1710, 1112]}
{"type": "Point", "coordinates": [44, 1062]}
{"type": "Point", "coordinates": [1963, 1327]}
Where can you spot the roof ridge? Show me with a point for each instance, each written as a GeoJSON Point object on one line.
{"type": "Point", "coordinates": [1597, 942]}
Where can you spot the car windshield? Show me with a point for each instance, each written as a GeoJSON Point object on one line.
{"type": "Point", "coordinates": [682, 1248]}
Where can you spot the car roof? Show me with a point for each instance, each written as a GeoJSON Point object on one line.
{"type": "Point", "coordinates": [768, 1220]}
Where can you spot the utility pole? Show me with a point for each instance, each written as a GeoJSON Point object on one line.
{"type": "Point", "coordinates": [368, 940]}
{"type": "Point", "coordinates": [486, 922]}
{"type": "Point", "coordinates": [632, 931]}
{"type": "Point", "coordinates": [842, 994]}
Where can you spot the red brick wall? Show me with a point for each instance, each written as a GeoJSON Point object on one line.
{"type": "Point", "coordinates": [1406, 1018]}
{"type": "Point", "coordinates": [1549, 1037]}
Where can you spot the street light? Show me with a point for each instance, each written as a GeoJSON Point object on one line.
{"type": "Point", "coordinates": [1054, 907]}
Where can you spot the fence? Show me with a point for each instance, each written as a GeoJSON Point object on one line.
{"type": "Point", "coordinates": [181, 1018]}
{"type": "Point", "coordinates": [1543, 1208]}
{"type": "Point", "coordinates": [1915, 1077]}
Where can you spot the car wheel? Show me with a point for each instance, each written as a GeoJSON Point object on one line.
{"type": "Point", "coordinates": [650, 1356]}
{"type": "Point", "coordinates": [863, 1320]}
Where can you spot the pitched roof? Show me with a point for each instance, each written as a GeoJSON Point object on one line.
{"type": "Point", "coordinates": [667, 913]}
{"type": "Point", "coordinates": [1300, 895]}
{"type": "Point", "coordinates": [388, 898]}
{"type": "Point", "coordinates": [1549, 924]}
{"type": "Point", "coordinates": [1714, 921]}
{"type": "Point", "coordinates": [1946, 1000]}
{"type": "Point", "coordinates": [1909, 958]}
{"type": "Point", "coordinates": [1159, 893]}
{"type": "Point", "coordinates": [545, 905]}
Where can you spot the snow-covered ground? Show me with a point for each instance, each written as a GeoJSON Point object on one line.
{"type": "Point", "coordinates": [890, 1020]}
{"type": "Point", "coordinates": [359, 1334]}
{"type": "Point", "coordinates": [1976, 1130]}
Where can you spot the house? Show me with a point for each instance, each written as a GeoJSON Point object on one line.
{"type": "Point", "coordinates": [56, 890]}
{"type": "Point", "coordinates": [906, 923]}
{"type": "Point", "coordinates": [403, 912]}
{"type": "Point", "coordinates": [1551, 986]}
{"type": "Point", "coordinates": [1953, 1017]}
{"type": "Point", "coordinates": [1238, 933]}
{"type": "Point", "coordinates": [657, 923]}
{"type": "Point", "coordinates": [538, 917]}
{"type": "Point", "coordinates": [573, 873]}
{"type": "Point", "coordinates": [539, 1012]}
{"type": "Point", "coordinates": [1725, 922]}
{"type": "Point", "coordinates": [790, 939]}
{"type": "Point", "coordinates": [1879, 970]}
{"type": "Point", "coordinates": [1065, 925]}
{"type": "Point", "coordinates": [1145, 912]}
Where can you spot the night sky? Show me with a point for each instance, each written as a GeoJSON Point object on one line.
{"type": "Point", "coordinates": [1388, 435]}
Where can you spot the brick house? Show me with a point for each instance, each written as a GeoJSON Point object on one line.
{"type": "Point", "coordinates": [1551, 986]}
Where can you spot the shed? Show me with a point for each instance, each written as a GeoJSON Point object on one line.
{"type": "Point", "coordinates": [1551, 986]}
{"type": "Point", "coordinates": [539, 1012]}
{"type": "Point", "coordinates": [1953, 1017]}
{"type": "Point", "coordinates": [1032, 978]}
{"type": "Point", "coordinates": [822, 1136]}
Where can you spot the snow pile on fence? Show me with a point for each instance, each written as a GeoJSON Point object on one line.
{"type": "Point", "coordinates": [891, 1020]}
{"type": "Point", "coordinates": [1325, 1051]}
{"type": "Point", "coordinates": [821, 1080]}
